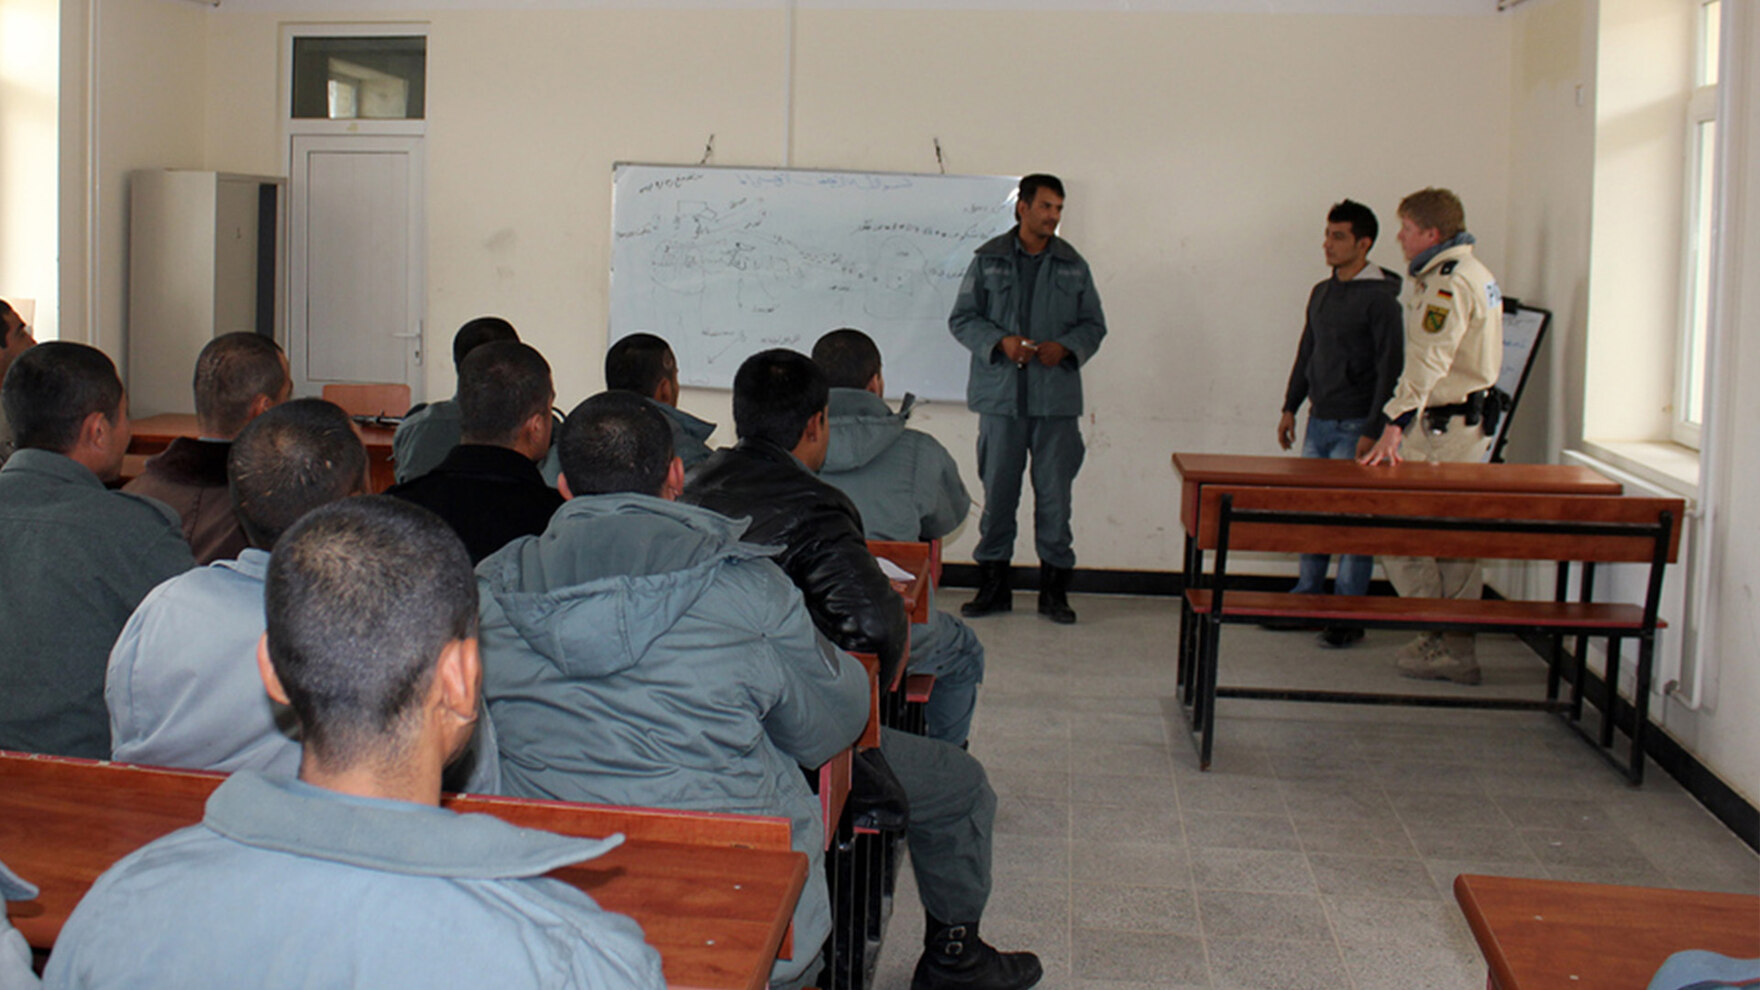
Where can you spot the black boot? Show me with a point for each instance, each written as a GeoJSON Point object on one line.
{"type": "Point", "coordinates": [1054, 594]}
{"type": "Point", "coordinates": [994, 591]}
{"type": "Point", "coordinates": [955, 958]}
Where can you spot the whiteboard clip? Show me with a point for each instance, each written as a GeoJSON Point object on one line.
{"type": "Point", "coordinates": [938, 161]}
{"type": "Point", "coordinates": [708, 151]}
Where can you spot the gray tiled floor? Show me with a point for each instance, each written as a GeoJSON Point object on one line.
{"type": "Point", "coordinates": [1320, 849]}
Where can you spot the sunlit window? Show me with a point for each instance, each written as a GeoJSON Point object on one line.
{"type": "Point", "coordinates": [359, 78]}
{"type": "Point", "coordinates": [1701, 200]}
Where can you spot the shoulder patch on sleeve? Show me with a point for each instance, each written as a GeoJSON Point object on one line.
{"type": "Point", "coordinates": [1447, 267]}
{"type": "Point", "coordinates": [1435, 318]}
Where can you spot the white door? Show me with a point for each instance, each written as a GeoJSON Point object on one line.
{"type": "Point", "coordinates": [357, 267]}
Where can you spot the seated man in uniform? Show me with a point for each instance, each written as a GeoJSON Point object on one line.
{"type": "Point", "coordinates": [643, 363]}
{"type": "Point", "coordinates": [640, 653]}
{"type": "Point", "coordinates": [75, 559]}
{"type": "Point", "coordinates": [779, 404]}
{"type": "Point", "coordinates": [906, 487]}
{"type": "Point", "coordinates": [430, 431]}
{"type": "Point", "coordinates": [352, 875]}
{"type": "Point", "coordinates": [15, 339]}
{"type": "Point", "coordinates": [238, 377]}
{"type": "Point", "coordinates": [182, 686]}
{"type": "Point", "coordinates": [15, 953]}
{"type": "Point", "coordinates": [488, 489]}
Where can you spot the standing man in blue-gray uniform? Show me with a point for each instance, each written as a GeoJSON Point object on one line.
{"type": "Point", "coordinates": [1029, 313]}
{"type": "Point", "coordinates": [1350, 355]}
{"type": "Point", "coordinates": [643, 363]}
{"type": "Point", "coordinates": [75, 559]}
{"type": "Point", "coordinates": [640, 653]}
{"type": "Point", "coordinates": [430, 431]}
{"type": "Point", "coordinates": [371, 639]}
{"type": "Point", "coordinates": [1444, 407]}
{"type": "Point", "coordinates": [906, 487]}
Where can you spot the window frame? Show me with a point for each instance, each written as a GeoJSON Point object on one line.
{"type": "Point", "coordinates": [1700, 201]}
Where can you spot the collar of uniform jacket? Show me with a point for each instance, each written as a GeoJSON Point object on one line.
{"type": "Point", "coordinates": [1005, 244]}
{"type": "Point", "coordinates": [58, 466]}
{"type": "Point", "coordinates": [1422, 261]}
{"type": "Point", "coordinates": [391, 836]}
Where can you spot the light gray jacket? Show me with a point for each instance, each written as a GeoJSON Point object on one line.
{"type": "Point", "coordinates": [285, 885]}
{"type": "Point", "coordinates": [637, 653]}
{"type": "Point", "coordinates": [904, 483]}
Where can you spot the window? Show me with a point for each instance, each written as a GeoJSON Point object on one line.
{"type": "Point", "coordinates": [1700, 224]}
{"type": "Point", "coordinates": [359, 78]}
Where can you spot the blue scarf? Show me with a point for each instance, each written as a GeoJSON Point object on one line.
{"type": "Point", "coordinates": [1424, 257]}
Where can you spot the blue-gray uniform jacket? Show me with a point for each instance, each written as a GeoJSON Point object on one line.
{"type": "Point", "coordinates": [285, 885]}
{"type": "Point", "coordinates": [638, 653]}
{"type": "Point", "coordinates": [429, 433]}
{"type": "Point", "coordinates": [904, 483]}
{"type": "Point", "coordinates": [15, 954]}
{"type": "Point", "coordinates": [1066, 309]}
{"type": "Point", "coordinates": [690, 435]}
{"type": "Point", "coordinates": [425, 437]}
{"type": "Point", "coordinates": [183, 690]}
{"type": "Point", "coordinates": [75, 560]}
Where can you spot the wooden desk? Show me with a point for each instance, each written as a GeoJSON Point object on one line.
{"type": "Point", "coordinates": [713, 893]}
{"type": "Point", "coordinates": [1552, 935]}
{"type": "Point", "coordinates": [1198, 470]}
{"type": "Point", "coordinates": [918, 559]}
{"type": "Point", "coordinates": [155, 433]}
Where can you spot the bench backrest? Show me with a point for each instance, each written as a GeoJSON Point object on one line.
{"type": "Point", "coordinates": [1603, 529]}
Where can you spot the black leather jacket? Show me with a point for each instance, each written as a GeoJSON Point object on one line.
{"type": "Point", "coordinates": [824, 553]}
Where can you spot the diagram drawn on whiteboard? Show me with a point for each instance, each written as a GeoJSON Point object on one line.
{"type": "Point", "coordinates": [725, 262]}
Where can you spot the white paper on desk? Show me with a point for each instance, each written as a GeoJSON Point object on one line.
{"type": "Point", "coordinates": [894, 572]}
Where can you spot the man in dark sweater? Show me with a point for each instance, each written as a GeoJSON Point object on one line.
{"type": "Point", "coordinates": [1350, 357]}
{"type": "Point", "coordinates": [489, 489]}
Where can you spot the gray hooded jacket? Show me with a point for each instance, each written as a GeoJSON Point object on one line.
{"type": "Point", "coordinates": [904, 483]}
{"type": "Point", "coordinates": [637, 653]}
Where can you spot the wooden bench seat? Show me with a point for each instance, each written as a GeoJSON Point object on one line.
{"type": "Point", "coordinates": [1380, 612]}
{"type": "Point", "coordinates": [1563, 528]}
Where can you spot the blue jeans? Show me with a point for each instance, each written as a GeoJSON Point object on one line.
{"type": "Point", "coordinates": [1335, 439]}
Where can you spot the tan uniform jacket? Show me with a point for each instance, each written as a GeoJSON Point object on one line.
{"type": "Point", "coordinates": [1454, 333]}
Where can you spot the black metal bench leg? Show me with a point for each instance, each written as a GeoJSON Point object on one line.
{"type": "Point", "coordinates": [1554, 664]}
{"type": "Point", "coordinates": [1641, 706]}
{"type": "Point", "coordinates": [1212, 635]}
{"type": "Point", "coordinates": [1612, 683]}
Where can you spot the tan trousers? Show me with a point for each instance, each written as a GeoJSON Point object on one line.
{"type": "Point", "coordinates": [1430, 577]}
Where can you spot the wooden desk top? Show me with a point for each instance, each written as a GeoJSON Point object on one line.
{"type": "Point", "coordinates": [154, 433]}
{"type": "Point", "coordinates": [714, 894]}
{"type": "Point", "coordinates": [1553, 935]}
{"type": "Point", "coordinates": [1316, 472]}
{"type": "Point", "coordinates": [1198, 470]}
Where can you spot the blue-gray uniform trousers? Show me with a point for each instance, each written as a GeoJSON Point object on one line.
{"type": "Point", "coordinates": [1004, 443]}
{"type": "Point", "coordinates": [946, 647]}
{"type": "Point", "coordinates": [953, 813]}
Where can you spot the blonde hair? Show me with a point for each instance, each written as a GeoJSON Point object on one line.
{"type": "Point", "coordinates": [1435, 209]}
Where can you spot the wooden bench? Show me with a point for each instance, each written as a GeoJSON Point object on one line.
{"type": "Point", "coordinates": [714, 894]}
{"type": "Point", "coordinates": [1560, 528]}
{"type": "Point", "coordinates": [1551, 934]}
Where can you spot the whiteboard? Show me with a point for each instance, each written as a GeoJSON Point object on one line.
{"type": "Point", "coordinates": [726, 262]}
{"type": "Point", "coordinates": [1521, 334]}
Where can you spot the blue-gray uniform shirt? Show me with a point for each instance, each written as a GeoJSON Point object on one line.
{"type": "Point", "coordinates": [15, 954]}
{"type": "Point", "coordinates": [690, 435]}
{"type": "Point", "coordinates": [904, 483]}
{"type": "Point", "coordinates": [288, 885]}
{"type": "Point", "coordinates": [183, 689]}
{"type": "Point", "coordinates": [425, 437]}
{"type": "Point", "coordinates": [75, 560]}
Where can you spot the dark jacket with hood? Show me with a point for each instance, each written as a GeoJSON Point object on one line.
{"type": "Point", "coordinates": [1352, 351]}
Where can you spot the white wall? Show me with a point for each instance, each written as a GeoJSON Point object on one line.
{"type": "Point", "coordinates": [1200, 151]}
{"type": "Point", "coordinates": [151, 93]}
{"type": "Point", "coordinates": [29, 95]}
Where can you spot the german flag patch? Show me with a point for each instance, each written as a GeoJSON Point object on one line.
{"type": "Point", "coordinates": [1435, 318]}
{"type": "Point", "coordinates": [1444, 294]}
